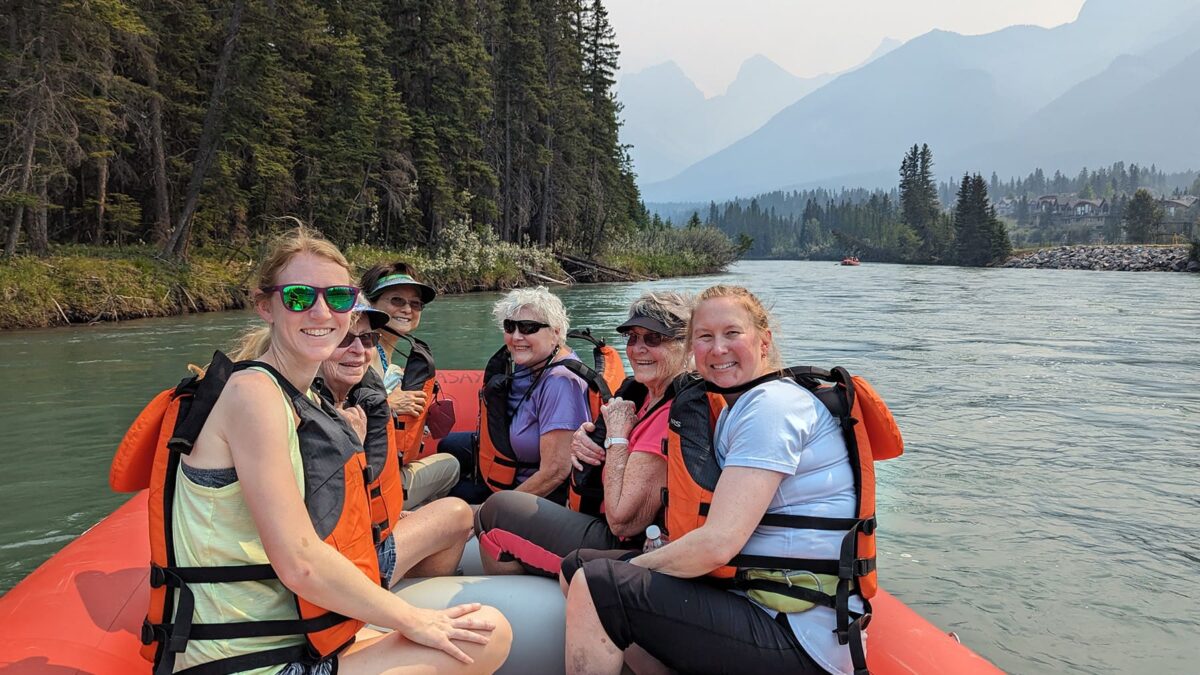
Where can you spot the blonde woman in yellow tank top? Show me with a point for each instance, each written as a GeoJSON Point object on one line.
{"type": "Point", "coordinates": [250, 432]}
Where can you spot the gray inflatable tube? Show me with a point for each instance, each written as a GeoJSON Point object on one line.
{"type": "Point", "coordinates": [533, 605]}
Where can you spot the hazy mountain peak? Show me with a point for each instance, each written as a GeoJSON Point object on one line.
{"type": "Point", "coordinates": [886, 45]}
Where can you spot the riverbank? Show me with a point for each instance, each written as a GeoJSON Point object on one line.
{"type": "Point", "coordinates": [90, 284]}
{"type": "Point", "coordinates": [1130, 258]}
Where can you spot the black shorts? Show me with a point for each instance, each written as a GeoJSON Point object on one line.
{"type": "Point", "coordinates": [690, 625]}
{"type": "Point", "coordinates": [537, 532]}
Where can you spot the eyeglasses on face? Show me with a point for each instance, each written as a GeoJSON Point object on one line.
{"type": "Point", "coordinates": [368, 339]}
{"type": "Point", "coordinates": [397, 302]}
{"type": "Point", "coordinates": [523, 327]}
{"type": "Point", "coordinates": [301, 297]}
{"type": "Point", "coordinates": [650, 339]}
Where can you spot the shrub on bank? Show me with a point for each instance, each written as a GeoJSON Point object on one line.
{"type": "Point", "coordinates": [672, 252]}
{"type": "Point", "coordinates": [465, 259]}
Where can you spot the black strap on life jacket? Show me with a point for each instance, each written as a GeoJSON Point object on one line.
{"type": "Point", "coordinates": [173, 637]}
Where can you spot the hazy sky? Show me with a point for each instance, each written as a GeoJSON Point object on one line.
{"type": "Point", "coordinates": [709, 39]}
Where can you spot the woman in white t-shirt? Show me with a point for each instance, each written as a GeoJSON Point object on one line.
{"type": "Point", "coordinates": [781, 452]}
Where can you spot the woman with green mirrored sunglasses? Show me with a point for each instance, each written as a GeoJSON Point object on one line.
{"type": "Point", "coordinates": [301, 297]}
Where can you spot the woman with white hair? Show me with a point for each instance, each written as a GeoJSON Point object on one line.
{"type": "Point", "coordinates": [533, 403]}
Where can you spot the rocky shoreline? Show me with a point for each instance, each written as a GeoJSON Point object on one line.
{"type": "Point", "coordinates": [1111, 258]}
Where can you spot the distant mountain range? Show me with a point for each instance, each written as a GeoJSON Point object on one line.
{"type": "Point", "coordinates": [671, 125]}
{"type": "Point", "coordinates": [1118, 83]}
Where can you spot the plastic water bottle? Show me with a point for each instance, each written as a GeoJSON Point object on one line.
{"type": "Point", "coordinates": [654, 539]}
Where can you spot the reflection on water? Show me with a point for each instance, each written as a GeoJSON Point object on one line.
{"type": "Point", "coordinates": [1046, 509]}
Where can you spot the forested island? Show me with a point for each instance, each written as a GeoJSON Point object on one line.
{"type": "Point", "coordinates": [150, 148]}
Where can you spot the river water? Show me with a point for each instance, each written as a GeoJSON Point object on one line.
{"type": "Point", "coordinates": [1047, 507]}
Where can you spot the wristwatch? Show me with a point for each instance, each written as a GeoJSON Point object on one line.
{"type": "Point", "coordinates": [609, 442]}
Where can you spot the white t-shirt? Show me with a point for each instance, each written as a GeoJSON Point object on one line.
{"type": "Point", "coordinates": [779, 426]}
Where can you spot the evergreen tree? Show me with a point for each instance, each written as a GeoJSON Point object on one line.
{"type": "Point", "coordinates": [1142, 218]}
{"type": "Point", "coordinates": [980, 237]}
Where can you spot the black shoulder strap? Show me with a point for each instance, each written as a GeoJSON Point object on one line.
{"type": "Point", "coordinates": [204, 394]}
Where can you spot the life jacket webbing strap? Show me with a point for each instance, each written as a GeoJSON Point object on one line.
{"type": "Point", "coordinates": [250, 629]}
{"type": "Point", "coordinates": [179, 576]}
{"type": "Point", "coordinates": [829, 567]}
{"type": "Point", "coordinates": [867, 525]}
{"type": "Point", "coordinates": [237, 664]}
{"type": "Point", "coordinates": [514, 464]}
{"type": "Point", "coordinates": [798, 592]}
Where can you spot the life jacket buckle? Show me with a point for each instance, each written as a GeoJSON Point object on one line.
{"type": "Point", "coordinates": [158, 576]}
{"type": "Point", "coordinates": [147, 634]}
{"type": "Point", "coordinates": [868, 526]}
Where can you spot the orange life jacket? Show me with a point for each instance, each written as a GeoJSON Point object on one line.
{"type": "Point", "coordinates": [497, 462]}
{"type": "Point", "coordinates": [334, 469]}
{"type": "Point", "coordinates": [385, 485]}
{"type": "Point", "coordinates": [420, 374]}
{"type": "Point", "coordinates": [870, 433]}
{"type": "Point", "coordinates": [586, 487]}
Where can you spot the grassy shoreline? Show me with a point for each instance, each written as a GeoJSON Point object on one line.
{"type": "Point", "coordinates": [87, 284]}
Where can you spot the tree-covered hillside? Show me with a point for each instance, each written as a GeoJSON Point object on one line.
{"type": "Point", "coordinates": [378, 121]}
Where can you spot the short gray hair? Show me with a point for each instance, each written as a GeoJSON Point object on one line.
{"type": "Point", "coordinates": [674, 310]}
{"type": "Point", "coordinates": [543, 303]}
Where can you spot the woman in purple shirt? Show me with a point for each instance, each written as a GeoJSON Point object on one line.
{"type": "Point", "coordinates": [545, 404]}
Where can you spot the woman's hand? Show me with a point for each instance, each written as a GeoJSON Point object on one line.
{"type": "Point", "coordinates": [356, 417]}
{"type": "Point", "coordinates": [411, 403]}
{"type": "Point", "coordinates": [583, 450]}
{"type": "Point", "coordinates": [439, 628]}
{"type": "Point", "coordinates": [619, 417]}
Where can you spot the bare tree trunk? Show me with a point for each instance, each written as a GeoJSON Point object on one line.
{"type": "Point", "coordinates": [506, 197]}
{"type": "Point", "coordinates": [101, 198]}
{"type": "Point", "coordinates": [176, 245]}
{"type": "Point", "coordinates": [38, 227]}
{"type": "Point", "coordinates": [158, 151]}
{"type": "Point", "coordinates": [14, 229]}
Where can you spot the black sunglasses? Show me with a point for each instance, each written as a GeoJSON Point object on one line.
{"type": "Point", "coordinates": [650, 339]}
{"type": "Point", "coordinates": [368, 339]}
{"type": "Point", "coordinates": [523, 327]}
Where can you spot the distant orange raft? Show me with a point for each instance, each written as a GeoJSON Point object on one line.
{"type": "Point", "coordinates": [82, 611]}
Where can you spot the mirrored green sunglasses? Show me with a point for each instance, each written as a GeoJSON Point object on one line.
{"type": "Point", "coordinates": [301, 297]}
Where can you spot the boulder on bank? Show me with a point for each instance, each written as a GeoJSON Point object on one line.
{"type": "Point", "coordinates": [1111, 258]}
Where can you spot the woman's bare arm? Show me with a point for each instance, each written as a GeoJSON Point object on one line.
{"type": "Point", "coordinates": [739, 502]}
{"type": "Point", "coordinates": [555, 463]}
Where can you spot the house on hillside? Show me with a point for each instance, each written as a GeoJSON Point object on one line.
{"type": "Point", "coordinates": [1069, 219]}
{"type": "Point", "coordinates": [1176, 207]}
{"type": "Point", "coordinates": [1181, 218]}
{"type": "Point", "coordinates": [1006, 208]}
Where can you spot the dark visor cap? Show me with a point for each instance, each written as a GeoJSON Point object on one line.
{"type": "Point", "coordinates": [649, 323]}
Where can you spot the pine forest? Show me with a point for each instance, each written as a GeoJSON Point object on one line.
{"type": "Point", "coordinates": [178, 123]}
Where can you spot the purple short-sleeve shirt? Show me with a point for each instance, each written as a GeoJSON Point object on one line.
{"type": "Point", "coordinates": [558, 401]}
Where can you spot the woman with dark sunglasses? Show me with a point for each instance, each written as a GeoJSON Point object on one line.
{"type": "Point", "coordinates": [395, 289]}
{"type": "Point", "coordinates": [545, 404]}
{"type": "Point", "coordinates": [433, 537]}
{"type": "Point", "coordinates": [521, 533]}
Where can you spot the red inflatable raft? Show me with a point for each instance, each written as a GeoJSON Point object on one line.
{"type": "Point", "coordinates": [82, 611]}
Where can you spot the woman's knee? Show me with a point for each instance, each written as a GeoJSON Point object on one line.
{"type": "Point", "coordinates": [497, 508]}
{"type": "Point", "coordinates": [499, 639]}
{"type": "Point", "coordinates": [455, 514]}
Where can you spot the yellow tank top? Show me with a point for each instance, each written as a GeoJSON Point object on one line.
{"type": "Point", "coordinates": [212, 526]}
